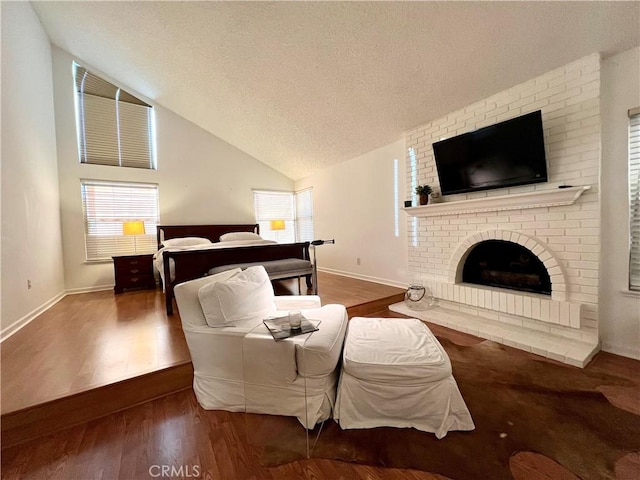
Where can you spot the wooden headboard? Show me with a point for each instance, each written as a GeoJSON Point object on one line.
{"type": "Point", "coordinates": [212, 232]}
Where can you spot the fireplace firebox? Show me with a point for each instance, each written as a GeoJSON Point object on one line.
{"type": "Point", "coordinates": [499, 263]}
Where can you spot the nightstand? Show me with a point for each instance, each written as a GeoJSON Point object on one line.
{"type": "Point", "coordinates": [133, 272]}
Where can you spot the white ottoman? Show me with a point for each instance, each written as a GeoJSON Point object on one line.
{"type": "Point", "coordinates": [395, 373]}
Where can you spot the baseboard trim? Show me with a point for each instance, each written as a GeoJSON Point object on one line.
{"type": "Point", "coordinates": [383, 281]}
{"type": "Point", "coordinates": [99, 288]}
{"type": "Point", "coordinates": [24, 321]}
{"type": "Point", "coordinates": [620, 350]}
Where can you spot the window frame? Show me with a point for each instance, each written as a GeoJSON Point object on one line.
{"type": "Point", "coordinates": [102, 222]}
{"type": "Point", "coordinates": [287, 210]}
{"type": "Point", "coordinates": [303, 214]}
{"type": "Point", "coordinates": [634, 199]}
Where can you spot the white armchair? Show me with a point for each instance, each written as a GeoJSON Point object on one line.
{"type": "Point", "coordinates": [240, 367]}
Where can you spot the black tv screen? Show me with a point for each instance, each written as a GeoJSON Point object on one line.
{"type": "Point", "coordinates": [502, 155]}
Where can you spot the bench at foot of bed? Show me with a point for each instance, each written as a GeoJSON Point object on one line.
{"type": "Point", "coordinates": [279, 269]}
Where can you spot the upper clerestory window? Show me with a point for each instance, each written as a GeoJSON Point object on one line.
{"type": "Point", "coordinates": [114, 127]}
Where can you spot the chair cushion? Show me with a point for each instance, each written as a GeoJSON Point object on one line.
{"type": "Point", "coordinates": [394, 350]}
{"type": "Point", "coordinates": [320, 353]}
{"type": "Point", "coordinates": [247, 294]}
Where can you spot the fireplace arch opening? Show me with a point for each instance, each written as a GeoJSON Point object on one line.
{"type": "Point", "coordinates": [504, 264]}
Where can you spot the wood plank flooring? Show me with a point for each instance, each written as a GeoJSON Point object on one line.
{"type": "Point", "coordinates": [106, 340]}
{"type": "Point", "coordinates": [90, 340]}
{"type": "Point", "coordinates": [99, 353]}
{"type": "Point", "coordinates": [173, 431]}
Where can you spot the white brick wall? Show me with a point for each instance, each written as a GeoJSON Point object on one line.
{"type": "Point", "coordinates": [569, 98]}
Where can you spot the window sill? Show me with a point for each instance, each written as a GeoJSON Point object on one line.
{"type": "Point", "coordinates": [631, 293]}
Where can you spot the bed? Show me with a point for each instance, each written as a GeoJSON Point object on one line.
{"type": "Point", "coordinates": [177, 264]}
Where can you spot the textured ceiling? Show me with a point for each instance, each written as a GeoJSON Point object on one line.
{"type": "Point", "coordinates": [303, 85]}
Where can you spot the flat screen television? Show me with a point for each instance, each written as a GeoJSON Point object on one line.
{"type": "Point", "coordinates": [506, 154]}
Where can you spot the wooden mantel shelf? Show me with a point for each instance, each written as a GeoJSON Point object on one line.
{"type": "Point", "coordinates": [540, 198]}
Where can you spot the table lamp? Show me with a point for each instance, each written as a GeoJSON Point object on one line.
{"type": "Point", "coordinates": [135, 228]}
{"type": "Point", "coordinates": [277, 225]}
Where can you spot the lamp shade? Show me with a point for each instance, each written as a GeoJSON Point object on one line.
{"type": "Point", "coordinates": [277, 224]}
{"type": "Point", "coordinates": [133, 228]}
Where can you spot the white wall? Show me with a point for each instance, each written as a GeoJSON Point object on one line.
{"type": "Point", "coordinates": [354, 203]}
{"type": "Point", "coordinates": [619, 310]}
{"type": "Point", "coordinates": [31, 243]}
{"type": "Point", "coordinates": [201, 178]}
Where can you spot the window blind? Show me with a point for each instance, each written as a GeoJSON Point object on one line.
{"type": "Point", "coordinates": [304, 215]}
{"type": "Point", "coordinates": [106, 206]}
{"type": "Point", "coordinates": [274, 205]}
{"type": "Point", "coordinates": [114, 127]}
{"type": "Point", "coordinates": [634, 198]}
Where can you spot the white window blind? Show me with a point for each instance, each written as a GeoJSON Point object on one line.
{"type": "Point", "coordinates": [114, 127]}
{"type": "Point", "coordinates": [106, 206]}
{"type": "Point", "coordinates": [634, 198]}
{"type": "Point", "coordinates": [296, 209]}
{"type": "Point", "coordinates": [273, 205]}
{"type": "Point", "coordinates": [304, 215]}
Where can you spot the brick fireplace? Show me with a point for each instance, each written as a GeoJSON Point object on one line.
{"type": "Point", "coordinates": [559, 226]}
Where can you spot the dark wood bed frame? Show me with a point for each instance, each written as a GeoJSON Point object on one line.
{"type": "Point", "coordinates": [191, 264]}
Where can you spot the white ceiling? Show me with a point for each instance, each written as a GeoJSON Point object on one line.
{"type": "Point", "coordinates": [303, 85]}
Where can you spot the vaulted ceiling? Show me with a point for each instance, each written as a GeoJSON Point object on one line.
{"type": "Point", "coordinates": [303, 85]}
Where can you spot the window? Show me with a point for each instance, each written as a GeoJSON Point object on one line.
{"type": "Point", "coordinates": [634, 198]}
{"type": "Point", "coordinates": [295, 208]}
{"type": "Point", "coordinates": [396, 198]}
{"type": "Point", "coordinates": [114, 127]}
{"type": "Point", "coordinates": [304, 215]}
{"type": "Point", "coordinates": [106, 206]}
{"type": "Point", "coordinates": [413, 165]}
{"type": "Point", "coordinates": [270, 206]}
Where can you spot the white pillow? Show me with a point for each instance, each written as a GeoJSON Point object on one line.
{"type": "Point", "coordinates": [185, 242]}
{"type": "Point", "coordinates": [239, 236]}
{"type": "Point", "coordinates": [209, 300]}
{"type": "Point", "coordinates": [246, 295]}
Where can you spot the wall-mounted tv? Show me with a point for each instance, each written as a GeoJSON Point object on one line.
{"type": "Point", "coordinates": [502, 155]}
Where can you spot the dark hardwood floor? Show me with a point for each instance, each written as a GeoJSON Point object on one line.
{"type": "Point", "coordinates": [89, 341]}
{"type": "Point", "coordinates": [98, 353]}
{"type": "Point", "coordinates": [169, 430]}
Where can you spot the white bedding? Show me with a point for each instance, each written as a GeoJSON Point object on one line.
{"type": "Point", "coordinates": [158, 261]}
